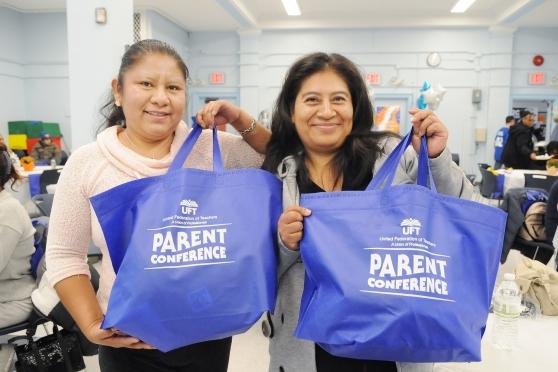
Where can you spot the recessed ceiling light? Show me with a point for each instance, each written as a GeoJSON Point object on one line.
{"type": "Point", "coordinates": [291, 7]}
{"type": "Point", "coordinates": [462, 5]}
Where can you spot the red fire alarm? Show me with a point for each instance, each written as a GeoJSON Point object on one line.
{"type": "Point", "coordinates": [538, 60]}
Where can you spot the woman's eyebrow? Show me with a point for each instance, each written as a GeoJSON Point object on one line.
{"type": "Point", "coordinates": [330, 93]}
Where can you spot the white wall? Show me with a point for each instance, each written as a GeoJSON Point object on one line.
{"type": "Point", "coordinates": [527, 44]}
{"type": "Point", "coordinates": [209, 52]}
{"type": "Point", "coordinates": [46, 70]}
{"type": "Point", "coordinates": [33, 69]}
{"type": "Point", "coordinates": [94, 54]}
{"type": "Point", "coordinates": [12, 100]}
{"type": "Point", "coordinates": [471, 58]}
{"type": "Point", "coordinates": [163, 29]}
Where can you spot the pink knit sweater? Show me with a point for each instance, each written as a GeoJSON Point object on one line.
{"type": "Point", "coordinates": [100, 166]}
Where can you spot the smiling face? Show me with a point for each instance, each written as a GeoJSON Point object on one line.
{"type": "Point", "coordinates": [323, 112]}
{"type": "Point", "coordinates": [152, 95]}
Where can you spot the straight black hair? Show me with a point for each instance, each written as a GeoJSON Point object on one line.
{"type": "Point", "coordinates": [7, 169]}
{"type": "Point", "coordinates": [360, 149]}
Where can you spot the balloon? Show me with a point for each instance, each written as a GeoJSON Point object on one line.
{"type": "Point", "coordinates": [430, 97]}
{"type": "Point", "coordinates": [420, 101]}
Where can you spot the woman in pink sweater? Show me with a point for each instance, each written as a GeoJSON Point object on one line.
{"type": "Point", "coordinates": [144, 131]}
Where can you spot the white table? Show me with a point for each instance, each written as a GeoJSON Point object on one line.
{"type": "Point", "coordinates": [21, 189]}
{"type": "Point", "coordinates": [536, 352]}
{"type": "Point", "coordinates": [39, 169]}
{"type": "Point", "coordinates": [515, 178]}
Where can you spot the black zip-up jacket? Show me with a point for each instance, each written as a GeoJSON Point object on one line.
{"type": "Point", "coordinates": [518, 149]}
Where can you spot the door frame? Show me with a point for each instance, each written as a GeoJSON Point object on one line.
{"type": "Point", "coordinates": [197, 100]}
{"type": "Point", "coordinates": [550, 124]}
{"type": "Point", "coordinates": [404, 117]}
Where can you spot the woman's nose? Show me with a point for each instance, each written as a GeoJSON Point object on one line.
{"type": "Point", "coordinates": [326, 110]}
{"type": "Point", "coordinates": [160, 96]}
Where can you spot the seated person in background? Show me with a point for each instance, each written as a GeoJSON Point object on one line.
{"type": "Point", "coordinates": [552, 149]}
{"type": "Point", "coordinates": [13, 156]}
{"type": "Point", "coordinates": [552, 163]}
{"type": "Point", "coordinates": [551, 217]}
{"type": "Point", "coordinates": [16, 248]}
{"type": "Point", "coordinates": [45, 150]}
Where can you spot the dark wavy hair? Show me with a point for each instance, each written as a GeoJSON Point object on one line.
{"type": "Point", "coordinates": [360, 149]}
{"type": "Point", "coordinates": [113, 114]}
{"type": "Point", "coordinates": [7, 169]}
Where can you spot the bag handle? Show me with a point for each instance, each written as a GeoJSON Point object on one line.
{"type": "Point", "coordinates": [386, 174]}
{"type": "Point", "coordinates": [188, 145]}
{"type": "Point", "coordinates": [65, 353]}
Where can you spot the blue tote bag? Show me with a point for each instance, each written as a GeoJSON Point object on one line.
{"type": "Point", "coordinates": [398, 273]}
{"type": "Point", "coordinates": [193, 251]}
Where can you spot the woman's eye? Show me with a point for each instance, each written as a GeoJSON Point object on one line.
{"type": "Point", "coordinates": [174, 87]}
{"type": "Point", "coordinates": [311, 99]}
{"type": "Point", "coordinates": [146, 84]}
{"type": "Point", "coordinates": [339, 99]}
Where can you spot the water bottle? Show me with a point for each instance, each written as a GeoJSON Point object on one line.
{"type": "Point", "coordinates": [507, 308]}
{"type": "Point", "coordinates": [53, 163]}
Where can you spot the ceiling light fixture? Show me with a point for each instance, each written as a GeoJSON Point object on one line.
{"type": "Point", "coordinates": [462, 5]}
{"type": "Point", "coordinates": [291, 7]}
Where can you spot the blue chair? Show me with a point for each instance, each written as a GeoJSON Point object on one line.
{"type": "Point", "coordinates": [488, 184]}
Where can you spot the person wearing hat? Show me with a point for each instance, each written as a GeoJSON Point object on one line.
{"type": "Point", "coordinates": [519, 151]}
{"type": "Point", "coordinates": [45, 150]}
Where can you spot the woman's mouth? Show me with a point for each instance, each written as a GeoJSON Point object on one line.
{"type": "Point", "coordinates": [157, 113]}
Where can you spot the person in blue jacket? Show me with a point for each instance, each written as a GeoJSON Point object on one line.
{"type": "Point", "coordinates": [500, 141]}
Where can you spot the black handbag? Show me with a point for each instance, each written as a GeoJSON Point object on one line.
{"type": "Point", "coordinates": [57, 352]}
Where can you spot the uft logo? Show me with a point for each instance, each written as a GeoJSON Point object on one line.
{"type": "Point", "coordinates": [189, 206]}
{"type": "Point", "coordinates": [410, 226]}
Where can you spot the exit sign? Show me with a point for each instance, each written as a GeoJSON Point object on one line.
{"type": "Point", "coordinates": [373, 78]}
{"type": "Point", "coordinates": [217, 77]}
{"type": "Point", "coordinates": [536, 78]}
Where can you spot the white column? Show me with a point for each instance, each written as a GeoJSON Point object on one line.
{"type": "Point", "coordinates": [249, 74]}
{"type": "Point", "coordinates": [94, 54]}
{"type": "Point", "coordinates": [497, 84]}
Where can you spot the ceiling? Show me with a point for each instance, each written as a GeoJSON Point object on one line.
{"type": "Point", "coordinates": [221, 15]}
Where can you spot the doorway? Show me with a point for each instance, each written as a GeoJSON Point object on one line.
{"type": "Point", "coordinates": [199, 99]}
{"type": "Point", "coordinates": [542, 110]}
{"type": "Point", "coordinates": [391, 112]}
